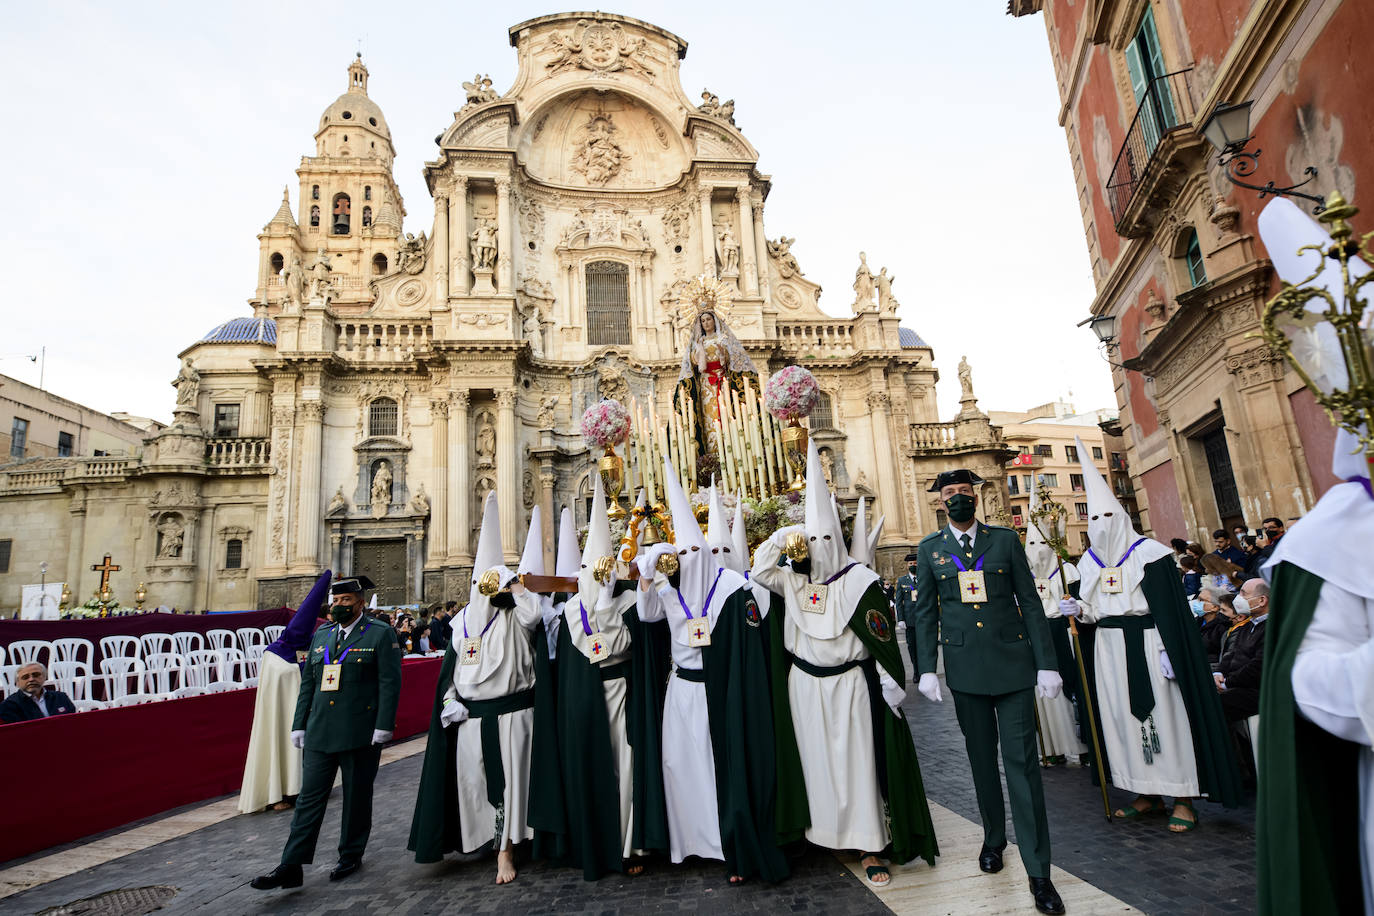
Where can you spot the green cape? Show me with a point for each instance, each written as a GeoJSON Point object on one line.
{"type": "Point", "coordinates": [1217, 770]}
{"type": "Point", "coordinates": [741, 722]}
{"type": "Point", "coordinates": [792, 813]}
{"type": "Point", "coordinates": [1307, 841]}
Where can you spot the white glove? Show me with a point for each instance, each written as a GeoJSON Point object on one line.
{"type": "Point", "coordinates": [453, 712]}
{"type": "Point", "coordinates": [506, 575]}
{"type": "Point", "coordinates": [1048, 684]}
{"type": "Point", "coordinates": [929, 686]}
{"type": "Point", "coordinates": [893, 693]}
{"type": "Point", "coordinates": [1166, 667]}
{"type": "Point", "coordinates": [648, 560]}
{"type": "Point", "coordinates": [607, 594]}
{"type": "Point", "coordinates": [298, 740]}
{"type": "Point", "coordinates": [1069, 607]}
{"type": "Point", "coordinates": [380, 737]}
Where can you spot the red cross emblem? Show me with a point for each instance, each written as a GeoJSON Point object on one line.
{"type": "Point", "coordinates": [329, 679]}
{"type": "Point", "coordinates": [1040, 588]}
{"type": "Point", "coordinates": [472, 651]}
{"type": "Point", "coordinates": [973, 588]}
{"type": "Point", "coordinates": [1111, 580]}
{"type": "Point", "coordinates": [596, 645]}
{"type": "Point", "coordinates": [814, 598]}
{"type": "Point", "coordinates": [697, 632]}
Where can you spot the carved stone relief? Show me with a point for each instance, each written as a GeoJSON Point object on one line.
{"type": "Point", "coordinates": [598, 155]}
{"type": "Point", "coordinates": [601, 48]}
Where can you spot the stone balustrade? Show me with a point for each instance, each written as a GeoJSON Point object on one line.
{"type": "Point", "coordinates": [818, 338]}
{"type": "Point", "coordinates": [238, 453]}
{"type": "Point", "coordinates": [102, 467]}
{"type": "Point", "coordinates": [383, 341]}
{"type": "Point", "coordinates": [933, 436]}
{"type": "Point", "coordinates": [20, 481]}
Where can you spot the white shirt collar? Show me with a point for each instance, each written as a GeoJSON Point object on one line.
{"type": "Point", "coordinates": [345, 632]}
{"type": "Point", "coordinates": [41, 702]}
{"type": "Point", "coordinates": [1260, 618]}
{"type": "Point", "coordinates": [971, 534]}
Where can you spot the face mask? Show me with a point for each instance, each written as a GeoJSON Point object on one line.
{"type": "Point", "coordinates": [960, 507]}
{"type": "Point", "coordinates": [340, 613]}
{"type": "Point", "coordinates": [1198, 609]}
{"type": "Point", "coordinates": [912, 571]}
{"type": "Point", "coordinates": [1242, 605]}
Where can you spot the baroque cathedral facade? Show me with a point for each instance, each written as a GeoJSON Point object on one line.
{"type": "Point", "coordinates": [387, 380]}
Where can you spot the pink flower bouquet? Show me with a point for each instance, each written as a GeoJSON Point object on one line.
{"type": "Point", "coordinates": [791, 394]}
{"type": "Point", "coordinates": [605, 424]}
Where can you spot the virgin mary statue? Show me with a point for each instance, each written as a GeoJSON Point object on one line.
{"type": "Point", "coordinates": [712, 359]}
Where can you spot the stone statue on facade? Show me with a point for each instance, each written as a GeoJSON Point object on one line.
{"type": "Point", "coordinates": [533, 329]}
{"type": "Point", "coordinates": [781, 251]}
{"type": "Point", "coordinates": [712, 105]}
{"type": "Point", "coordinates": [338, 505]}
{"type": "Point", "coordinates": [483, 240]}
{"type": "Point", "coordinates": [863, 286]}
{"type": "Point", "coordinates": [727, 250]}
{"type": "Point", "coordinates": [410, 257]}
{"type": "Point", "coordinates": [172, 538]}
{"type": "Point", "coordinates": [321, 284]}
{"type": "Point", "coordinates": [545, 419]}
{"type": "Point", "coordinates": [965, 380]}
{"type": "Point", "coordinates": [479, 91]}
{"type": "Point", "coordinates": [419, 503]}
{"type": "Point", "coordinates": [828, 466]}
{"type": "Point", "coordinates": [293, 278]}
{"type": "Point", "coordinates": [486, 443]}
{"type": "Point", "coordinates": [187, 383]}
{"type": "Point", "coordinates": [381, 490]}
{"type": "Point", "coordinates": [600, 157]}
{"type": "Point", "coordinates": [887, 303]}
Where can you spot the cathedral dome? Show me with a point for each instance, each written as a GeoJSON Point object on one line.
{"type": "Point", "coordinates": [354, 108]}
{"type": "Point", "coordinates": [244, 330]}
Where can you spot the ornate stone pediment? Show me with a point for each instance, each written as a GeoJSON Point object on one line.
{"type": "Point", "coordinates": [491, 126]}
{"type": "Point", "coordinates": [713, 139]}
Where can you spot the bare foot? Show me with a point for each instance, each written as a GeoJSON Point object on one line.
{"type": "Point", "coordinates": [283, 806]}
{"type": "Point", "coordinates": [736, 879]}
{"type": "Point", "coordinates": [634, 869]}
{"type": "Point", "coordinates": [505, 867]}
{"type": "Point", "coordinates": [880, 875]}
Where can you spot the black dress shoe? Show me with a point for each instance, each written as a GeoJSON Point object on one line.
{"type": "Point", "coordinates": [990, 860]}
{"type": "Point", "coordinates": [1046, 897]}
{"type": "Point", "coordinates": [281, 876]}
{"type": "Point", "coordinates": [344, 869]}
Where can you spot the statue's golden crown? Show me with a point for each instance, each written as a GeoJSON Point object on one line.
{"type": "Point", "coordinates": [706, 294]}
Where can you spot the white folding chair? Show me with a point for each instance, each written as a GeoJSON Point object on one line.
{"type": "Point", "coordinates": [88, 705]}
{"type": "Point", "coordinates": [72, 678]}
{"type": "Point", "coordinates": [273, 633]}
{"type": "Point", "coordinates": [192, 690]}
{"type": "Point", "coordinates": [188, 642]}
{"type": "Point", "coordinates": [27, 651]}
{"type": "Point", "coordinates": [74, 649]}
{"type": "Point", "coordinates": [202, 667]}
{"type": "Point", "coordinates": [7, 673]}
{"type": "Point", "coordinates": [223, 687]}
{"type": "Point", "coordinates": [250, 682]}
{"type": "Point", "coordinates": [249, 637]}
{"type": "Point", "coordinates": [233, 666]}
{"type": "Point", "coordinates": [116, 672]}
{"type": "Point", "coordinates": [128, 699]}
{"type": "Point", "coordinates": [154, 643]}
{"type": "Point", "coordinates": [220, 639]}
{"type": "Point", "coordinates": [166, 672]}
{"type": "Point", "coordinates": [119, 647]}
{"type": "Point", "coordinates": [2, 655]}
{"type": "Point", "coordinates": [253, 658]}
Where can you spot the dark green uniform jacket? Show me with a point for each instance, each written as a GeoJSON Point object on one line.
{"type": "Point", "coordinates": [369, 688]}
{"type": "Point", "coordinates": [740, 714]}
{"type": "Point", "coordinates": [899, 772]}
{"type": "Point", "coordinates": [1307, 825]}
{"type": "Point", "coordinates": [578, 810]}
{"type": "Point", "coordinates": [1217, 770]}
{"type": "Point", "coordinates": [991, 648]}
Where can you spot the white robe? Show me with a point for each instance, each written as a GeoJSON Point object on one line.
{"type": "Point", "coordinates": [506, 667]}
{"type": "Point", "coordinates": [831, 715]}
{"type": "Point", "coordinates": [1333, 684]}
{"type": "Point", "coordinates": [1173, 771]}
{"type": "Point", "coordinates": [273, 768]}
{"type": "Point", "coordinates": [1058, 733]}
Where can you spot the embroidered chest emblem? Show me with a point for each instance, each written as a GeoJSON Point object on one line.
{"type": "Point", "coordinates": [813, 597]}
{"type": "Point", "coordinates": [698, 634]}
{"type": "Point", "coordinates": [878, 625]}
{"type": "Point", "coordinates": [751, 613]}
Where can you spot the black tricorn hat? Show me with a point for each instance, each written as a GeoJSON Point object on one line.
{"type": "Point", "coordinates": [354, 585]}
{"type": "Point", "coordinates": [946, 478]}
{"type": "Point", "coordinates": [912, 557]}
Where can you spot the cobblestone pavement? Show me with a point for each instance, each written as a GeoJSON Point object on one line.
{"type": "Point", "coordinates": [1210, 871]}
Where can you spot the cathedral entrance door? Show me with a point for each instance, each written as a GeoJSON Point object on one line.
{"type": "Point", "coordinates": [384, 562]}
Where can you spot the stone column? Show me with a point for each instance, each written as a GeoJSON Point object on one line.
{"type": "Point", "coordinates": [460, 480]}
{"type": "Point", "coordinates": [441, 249]}
{"type": "Point", "coordinates": [760, 247]}
{"type": "Point", "coordinates": [547, 478]}
{"type": "Point", "coordinates": [458, 279]}
{"type": "Point", "coordinates": [708, 233]}
{"type": "Point", "coordinates": [76, 545]}
{"type": "Point", "coordinates": [889, 490]}
{"type": "Point", "coordinates": [505, 238]}
{"type": "Point", "coordinates": [748, 252]}
{"type": "Point", "coordinates": [508, 473]}
{"type": "Point", "coordinates": [281, 484]}
{"type": "Point", "coordinates": [438, 522]}
{"type": "Point", "coordinates": [308, 523]}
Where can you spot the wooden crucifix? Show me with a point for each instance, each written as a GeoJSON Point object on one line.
{"type": "Point", "coordinates": [105, 569]}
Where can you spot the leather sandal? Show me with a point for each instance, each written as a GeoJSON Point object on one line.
{"type": "Point", "coordinates": [1183, 825]}
{"type": "Point", "coordinates": [1131, 812]}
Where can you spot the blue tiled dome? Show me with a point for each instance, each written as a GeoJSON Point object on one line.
{"type": "Point", "coordinates": [244, 330]}
{"type": "Point", "coordinates": [910, 338]}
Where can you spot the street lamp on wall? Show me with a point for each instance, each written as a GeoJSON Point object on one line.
{"type": "Point", "coordinates": [1228, 130]}
{"type": "Point", "coordinates": [1104, 327]}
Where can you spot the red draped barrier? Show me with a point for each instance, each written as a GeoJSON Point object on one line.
{"type": "Point", "coordinates": [137, 625]}
{"type": "Point", "coordinates": [120, 765]}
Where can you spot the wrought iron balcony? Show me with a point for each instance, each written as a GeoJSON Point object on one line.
{"type": "Point", "coordinates": [1146, 171]}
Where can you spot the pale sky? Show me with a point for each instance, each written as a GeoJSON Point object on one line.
{"type": "Point", "coordinates": [149, 143]}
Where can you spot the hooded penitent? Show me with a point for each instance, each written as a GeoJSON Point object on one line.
{"type": "Point", "coordinates": [296, 637]}
{"type": "Point", "coordinates": [825, 537]}
{"type": "Point", "coordinates": [1043, 562]}
{"type": "Point", "coordinates": [696, 567]}
{"type": "Point", "coordinates": [1115, 545]}
{"type": "Point", "coordinates": [862, 546]}
{"type": "Point", "coordinates": [739, 545]}
{"type": "Point", "coordinates": [598, 545]}
{"type": "Point", "coordinates": [473, 620]}
{"type": "Point", "coordinates": [718, 535]}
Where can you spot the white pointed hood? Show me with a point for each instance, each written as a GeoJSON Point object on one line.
{"type": "Point", "coordinates": [738, 557]}
{"type": "Point", "coordinates": [473, 619]}
{"type": "Point", "coordinates": [532, 560]}
{"type": "Point", "coordinates": [568, 557]}
{"type": "Point", "coordinates": [696, 567]}
{"type": "Point", "coordinates": [873, 536]}
{"type": "Point", "coordinates": [718, 530]}
{"type": "Point", "coordinates": [598, 545]}
{"type": "Point", "coordinates": [488, 549]}
{"type": "Point", "coordinates": [859, 547]}
{"type": "Point", "coordinates": [1038, 552]}
{"type": "Point", "coordinates": [825, 538]}
{"type": "Point", "coordinates": [1111, 538]}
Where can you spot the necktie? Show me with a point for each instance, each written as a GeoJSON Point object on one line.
{"type": "Point", "coordinates": [965, 542]}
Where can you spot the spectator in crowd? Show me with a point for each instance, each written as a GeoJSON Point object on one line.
{"type": "Point", "coordinates": [1213, 624]}
{"type": "Point", "coordinates": [1226, 549]}
{"type": "Point", "coordinates": [438, 629]}
{"type": "Point", "coordinates": [1192, 579]}
{"type": "Point", "coordinates": [404, 628]}
{"type": "Point", "coordinates": [450, 612]}
{"type": "Point", "coordinates": [419, 635]}
{"type": "Point", "coordinates": [1226, 600]}
{"type": "Point", "coordinates": [1273, 530]}
{"type": "Point", "coordinates": [31, 701]}
{"type": "Point", "coordinates": [1180, 547]}
{"type": "Point", "coordinates": [1196, 550]}
{"type": "Point", "coordinates": [1223, 573]}
{"type": "Point", "coordinates": [1238, 534]}
{"type": "Point", "coordinates": [1238, 672]}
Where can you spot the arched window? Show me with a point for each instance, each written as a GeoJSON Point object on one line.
{"type": "Point", "coordinates": [233, 554]}
{"type": "Point", "coordinates": [381, 417]}
{"type": "Point", "coordinates": [823, 416]}
{"type": "Point", "coordinates": [1192, 257]}
{"type": "Point", "coordinates": [379, 264]}
{"type": "Point", "coordinates": [314, 192]}
{"type": "Point", "coordinates": [608, 303]}
{"type": "Point", "coordinates": [277, 262]}
{"type": "Point", "coordinates": [367, 192]}
{"type": "Point", "coordinates": [315, 217]}
{"type": "Point", "coordinates": [367, 217]}
{"type": "Point", "coordinates": [342, 208]}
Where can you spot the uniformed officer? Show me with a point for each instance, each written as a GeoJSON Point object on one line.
{"type": "Point", "coordinates": [970, 579]}
{"type": "Point", "coordinates": [345, 711]}
{"type": "Point", "coordinates": [905, 603]}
